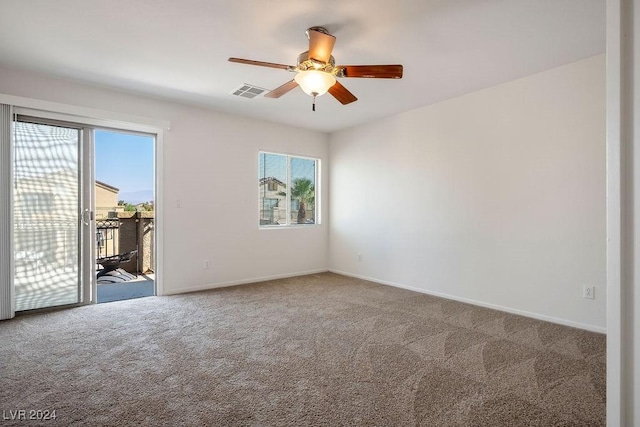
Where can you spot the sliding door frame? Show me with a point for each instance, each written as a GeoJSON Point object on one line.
{"type": "Point", "coordinates": [89, 294]}
{"type": "Point", "coordinates": [155, 197]}
{"type": "Point", "coordinates": [93, 118]}
{"type": "Point", "coordinates": [85, 204]}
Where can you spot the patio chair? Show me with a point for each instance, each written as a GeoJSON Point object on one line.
{"type": "Point", "coordinates": [113, 262]}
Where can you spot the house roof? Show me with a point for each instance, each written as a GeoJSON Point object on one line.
{"type": "Point", "coordinates": [271, 179]}
{"type": "Point", "coordinates": [448, 48]}
{"type": "Point", "coordinates": [107, 186]}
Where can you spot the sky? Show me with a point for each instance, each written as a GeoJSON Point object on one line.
{"type": "Point", "coordinates": [276, 166]}
{"type": "Point", "coordinates": [125, 161]}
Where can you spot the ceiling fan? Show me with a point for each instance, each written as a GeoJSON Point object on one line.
{"type": "Point", "coordinates": [316, 71]}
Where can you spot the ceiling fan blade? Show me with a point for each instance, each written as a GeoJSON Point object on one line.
{"type": "Point", "coordinates": [281, 90]}
{"type": "Point", "coordinates": [341, 93]}
{"type": "Point", "coordinates": [260, 63]}
{"type": "Point", "coordinates": [320, 45]}
{"type": "Point", "coordinates": [372, 71]}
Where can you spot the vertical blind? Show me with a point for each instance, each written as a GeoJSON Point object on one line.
{"type": "Point", "coordinates": [7, 303]}
{"type": "Point", "coordinates": [46, 208]}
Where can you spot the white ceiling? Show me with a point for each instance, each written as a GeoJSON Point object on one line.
{"type": "Point", "coordinates": [178, 49]}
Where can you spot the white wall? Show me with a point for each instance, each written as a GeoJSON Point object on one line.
{"type": "Point", "coordinates": [497, 196]}
{"type": "Point", "coordinates": [210, 164]}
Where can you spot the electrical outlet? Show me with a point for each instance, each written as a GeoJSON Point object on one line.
{"type": "Point", "coordinates": [588, 292]}
{"type": "Point", "coordinates": [359, 257]}
{"type": "Point", "coordinates": [206, 263]}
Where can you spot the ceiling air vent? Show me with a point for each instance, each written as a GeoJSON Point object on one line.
{"type": "Point", "coordinates": [248, 91]}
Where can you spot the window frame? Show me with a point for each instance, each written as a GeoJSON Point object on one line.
{"type": "Point", "coordinates": [316, 184]}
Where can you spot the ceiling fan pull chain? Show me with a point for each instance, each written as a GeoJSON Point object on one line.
{"type": "Point", "coordinates": [313, 106]}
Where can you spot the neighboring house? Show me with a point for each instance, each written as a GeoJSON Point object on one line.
{"type": "Point", "coordinates": [272, 201]}
{"type": "Point", "coordinates": [107, 222]}
{"type": "Point", "coordinates": [106, 201]}
{"type": "Point", "coordinates": [145, 206]}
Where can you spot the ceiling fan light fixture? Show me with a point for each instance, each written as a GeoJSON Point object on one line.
{"type": "Point", "coordinates": [315, 83]}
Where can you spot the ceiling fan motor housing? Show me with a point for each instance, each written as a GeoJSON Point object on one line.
{"type": "Point", "coordinates": [306, 63]}
{"type": "Point", "coordinates": [317, 29]}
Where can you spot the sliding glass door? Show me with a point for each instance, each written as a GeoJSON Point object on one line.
{"type": "Point", "coordinates": [51, 215]}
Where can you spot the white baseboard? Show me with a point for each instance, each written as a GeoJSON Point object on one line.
{"type": "Point", "coordinates": [242, 282]}
{"type": "Point", "coordinates": [537, 316]}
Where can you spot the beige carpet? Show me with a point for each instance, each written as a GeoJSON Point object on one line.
{"type": "Point", "coordinates": [315, 350]}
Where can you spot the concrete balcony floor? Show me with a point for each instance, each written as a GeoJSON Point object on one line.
{"type": "Point", "coordinates": [142, 286]}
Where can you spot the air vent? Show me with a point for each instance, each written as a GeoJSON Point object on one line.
{"type": "Point", "coordinates": [248, 91]}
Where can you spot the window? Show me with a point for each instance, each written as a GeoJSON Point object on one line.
{"type": "Point", "coordinates": [287, 189]}
{"type": "Point", "coordinates": [271, 203]}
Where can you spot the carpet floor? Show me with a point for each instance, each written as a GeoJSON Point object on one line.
{"type": "Point", "coordinates": [313, 350]}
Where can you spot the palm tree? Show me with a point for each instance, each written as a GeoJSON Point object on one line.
{"type": "Point", "coordinates": [303, 190]}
